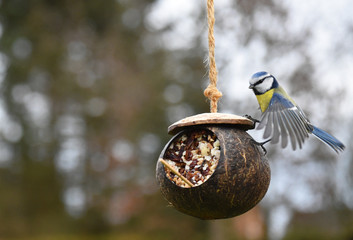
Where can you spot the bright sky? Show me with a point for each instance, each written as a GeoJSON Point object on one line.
{"type": "Point", "coordinates": [328, 21]}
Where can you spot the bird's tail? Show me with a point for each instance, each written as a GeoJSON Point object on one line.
{"type": "Point", "coordinates": [330, 140]}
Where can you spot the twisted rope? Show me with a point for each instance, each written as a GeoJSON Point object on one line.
{"type": "Point", "coordinates": [211, 92]}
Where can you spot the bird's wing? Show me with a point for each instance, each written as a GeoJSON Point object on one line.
{"type": "Point", "coordinates": [281, 119]}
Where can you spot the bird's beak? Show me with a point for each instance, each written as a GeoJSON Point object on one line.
{"type": "Point", "coordinates": [251, 86]}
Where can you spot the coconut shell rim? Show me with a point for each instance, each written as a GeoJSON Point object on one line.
{"type": "Point", "coordinates": [211, 118]}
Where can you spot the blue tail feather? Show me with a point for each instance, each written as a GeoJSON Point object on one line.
{"type": "Point", "coordinates": [334, 143]}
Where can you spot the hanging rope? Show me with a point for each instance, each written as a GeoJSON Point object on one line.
{"type": "Point", "coordinates": [211, 92]}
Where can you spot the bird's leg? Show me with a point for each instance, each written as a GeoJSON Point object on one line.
{"type": "Point", "coordinates": [261, 144]}
{"type": "Point", "coordinates": [252, 119]}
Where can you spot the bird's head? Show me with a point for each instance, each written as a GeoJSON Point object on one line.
{"type": "Point", "coordinates": [261, 82]}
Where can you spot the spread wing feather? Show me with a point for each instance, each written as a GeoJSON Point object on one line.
{"type": "Point", "coordinates": [284, 130]}
{"type": "Point", "coordinates": [283, 118]}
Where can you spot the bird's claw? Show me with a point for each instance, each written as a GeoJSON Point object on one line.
{"type": "Point", "coordinates": [261, 144]}
{"type": "Point", "coordinates": [254, 120]}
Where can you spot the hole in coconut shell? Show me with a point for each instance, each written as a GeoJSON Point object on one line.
{"type": "Point", "coordinates": [194, 155]}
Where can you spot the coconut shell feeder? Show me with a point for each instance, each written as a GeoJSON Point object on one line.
{"type": "Point", "coordinates": [212, 168]}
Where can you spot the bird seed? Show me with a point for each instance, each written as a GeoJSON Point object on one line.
{"type": "Point", "coordinates": [194, 155]}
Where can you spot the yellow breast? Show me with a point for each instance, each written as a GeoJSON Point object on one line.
{"type": "Point", "coordinates": [264, 99]}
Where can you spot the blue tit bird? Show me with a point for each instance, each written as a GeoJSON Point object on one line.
{"type": "Point", "coordinates": [282, 118]}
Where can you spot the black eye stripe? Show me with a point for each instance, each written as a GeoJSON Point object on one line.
{"type": "Point", "coordinates": [259, 82]}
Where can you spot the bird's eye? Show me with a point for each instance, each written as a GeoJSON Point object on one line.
{"type": "Point", "coordinates": [260, 81]}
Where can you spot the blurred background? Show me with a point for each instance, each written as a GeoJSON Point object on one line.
{"type": "Point", "coordinates": [88, 89]}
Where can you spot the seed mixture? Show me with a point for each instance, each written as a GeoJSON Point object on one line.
{"type": "Point", "coordinates": [194, 155]}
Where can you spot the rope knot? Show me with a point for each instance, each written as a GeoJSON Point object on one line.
{"type": "Point", "coordinates": [213, 94]}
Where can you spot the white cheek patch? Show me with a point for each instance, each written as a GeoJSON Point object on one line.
{"type": "Point", "coordinates": [265, 85]}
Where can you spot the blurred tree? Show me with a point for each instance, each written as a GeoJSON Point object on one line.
{"type": "Point", "coordinates": [88, 89]}
{"type": "Point", "coordinates": [83, 104]}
